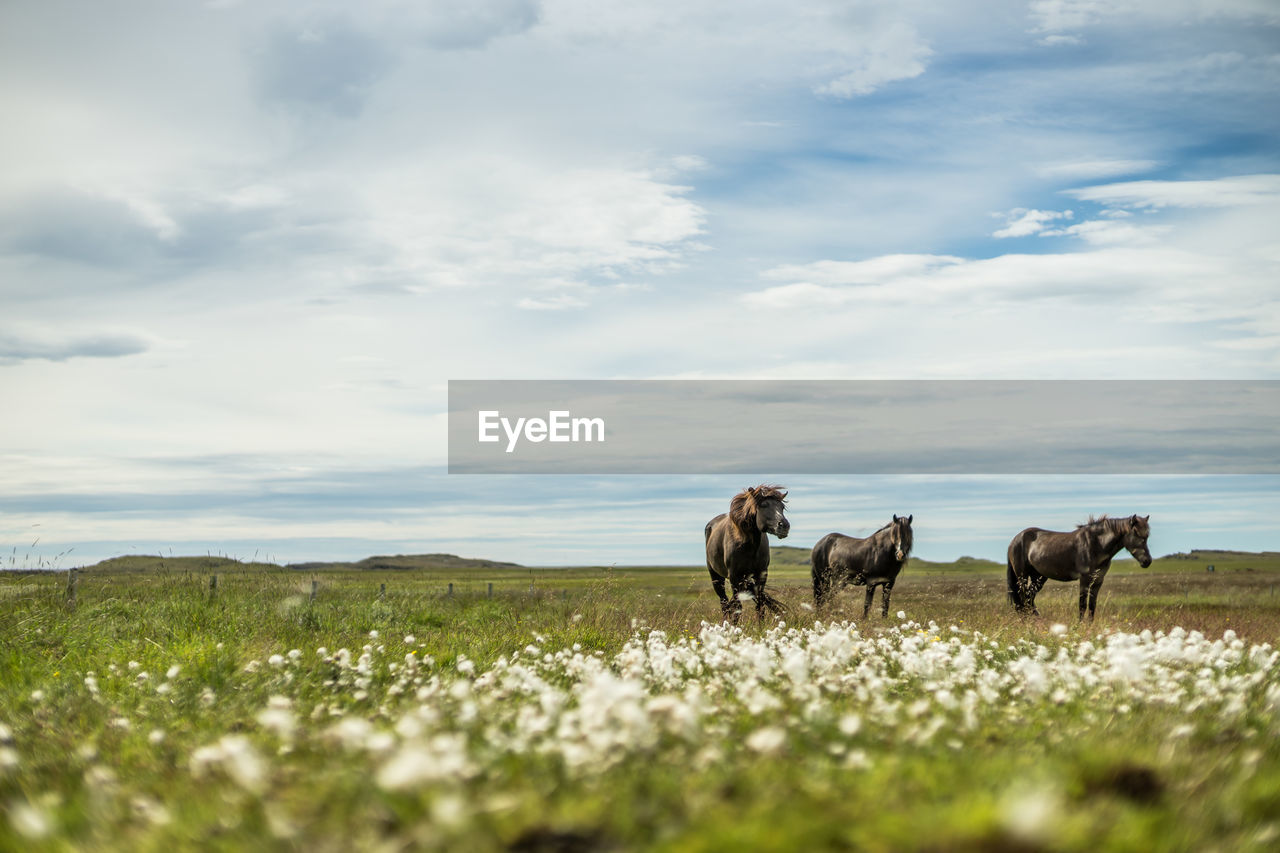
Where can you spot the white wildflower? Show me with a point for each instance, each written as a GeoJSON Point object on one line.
{"type": "Point", "coordinates": [30, 821]}
{"type": "Point", "coordinates": [278, 721]}
{"type": "Point", "coordinates": [236, 758]}
{"type": "Point", "coordinates": [149, 810]}
{"type": "Point", "coordinates": [1030, 815]}
{"type": "Point", "coordinates": [850, 725]}
{"type": "Point", "coordinates": [767, 740]}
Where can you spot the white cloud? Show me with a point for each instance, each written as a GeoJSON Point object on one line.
{"type": "Point", "coordinates": [1110, 232]}
{"type": "Point", "coordinates": [871, 271]}
{"type": "Point", "coordinates": [1056, 40]}
{"type": "Point", "coordinates": [61, 346]}
{"type": "Point", "coordinates": [496, 223]}
{"type": "Point", "coordinates": [1079, 276]}
{"type": "Point", "coordinates": [474, 23]}
{"type": "Point", "coordinates": [558, 302]}
{"type": "Point", "coordinates": [1089, 169]}
{"type": "Point", "coordinates": [1059, 15]}
{"type": "Point", "coordinates": [1219, 192]}
{"type": "Point", "coordinates": [1021, 222]}
{"type": "Point", "coordinates": [897, 54]}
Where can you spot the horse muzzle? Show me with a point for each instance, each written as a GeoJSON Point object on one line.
{"type": "Point", "coordinates": [782, 532]}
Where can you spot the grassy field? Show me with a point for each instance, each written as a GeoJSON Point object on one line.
{"type": "Point", "coordinates": [592, 709]}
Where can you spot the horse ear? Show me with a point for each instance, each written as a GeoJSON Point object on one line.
{"type": "Point", "coordinates": [895, 517]}
{"type": "Point", "coordinates": [1147, 517]}
{"type": "Point", "coordinates": [909, 517]}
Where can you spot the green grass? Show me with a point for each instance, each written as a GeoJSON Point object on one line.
{"type": "Point", "coordinates": [1113, 780]}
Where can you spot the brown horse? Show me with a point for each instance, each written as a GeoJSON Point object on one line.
{"type": "Point", "coordinates": [738, 547]}
{"type": "Point", "coordinates": [840, 560]}
{"type": "Point", "coordinates": [1083, 554]}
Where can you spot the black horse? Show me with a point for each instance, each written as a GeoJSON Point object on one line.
{"type": "Point", "coordinates": [1083, 554]}
{"type": "Point", "coordinates": [840, 560]}
{"type": "Point", "coordinates": [738, 547]}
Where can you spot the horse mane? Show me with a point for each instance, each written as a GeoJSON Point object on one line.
{"type": "Point", "coordinates": [1104, 521]}
{"type": "Point", "coordinates": [745, 505]}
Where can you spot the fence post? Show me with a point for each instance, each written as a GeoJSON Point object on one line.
{"type": "Point", "coordinates": [382, 592]}
{"type": "Point", "coordinates": [213, 583]}
{"type": "Point", "coordinates": [451, 590]}
{"type": "Point", "coordinates": [71, 588]}
{"type": "Point", "coordinates": [491, 589]}
{"type": "Point", "coordinates": [315, 584]}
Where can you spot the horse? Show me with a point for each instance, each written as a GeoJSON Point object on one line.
{"type": "Point", "coordinates": [875, 561]}
{"type": "Point", "coordinates": [1083, 554]}
{"type": "Point", "coordinates": [738, 547]}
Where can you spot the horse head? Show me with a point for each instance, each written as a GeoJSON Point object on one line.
{"type": "Point", "coordinates": [1135, 538]}
{"type": "Point", "coordinates": [761, 507]}
{"type": "Point", "coordinates": [900, 536]}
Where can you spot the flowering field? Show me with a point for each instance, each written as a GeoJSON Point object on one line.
{"type": "Point", "coordinates": [607, 717]}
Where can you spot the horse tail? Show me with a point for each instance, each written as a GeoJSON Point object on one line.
{"type": "Point", "coordinates": [1015, 594]}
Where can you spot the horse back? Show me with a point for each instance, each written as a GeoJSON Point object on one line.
{"type": "Point", "coordinates": [1052, 553]}
{"type": "Point", "coordinates": [712, 523]}
{"type": "Point", "coordinates": [850, 556]}
{"type": "Point", "coordinates": [820, 556]}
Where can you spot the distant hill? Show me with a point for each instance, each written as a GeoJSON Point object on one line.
{"type": "Point", "coordinates": [399, 562]}
{"type": "Point", "coordinates": [409, 562]}
{"type": "Point", "coordinates": [150, 563]}
{"type": "Point", "coordinates": [1202, 554]}
{"type": "Point", "coordinates": [788, 555]}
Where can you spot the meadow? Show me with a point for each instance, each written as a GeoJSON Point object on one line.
{"type": "Point", "coordinates": [339, 707]}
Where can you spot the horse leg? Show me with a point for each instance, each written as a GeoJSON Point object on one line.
{"type": "Point", "coordinates": [884, 610]}
{"type": "Point", "coordinates": [717, 583]}
{"type": "Point", "coordinates": [871, 594]}
{"type": "Point", "coordinates": [821, 589]}
{"type": "Point", "coordinates": [733, 607]}
{"type": "Point", "coordinates": [1089, 594]}
{"type": "Point", "coordinates": [739, 582]}
{"type": "Point", "coordinates": [1034, 583]}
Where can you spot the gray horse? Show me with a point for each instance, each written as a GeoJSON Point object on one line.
{"type": "Point", "coordinates": [738, 547]}
{"type": "Point", "coordinates": [1084, 554]}
{"type": "Point", "coordinates": [840, 560]}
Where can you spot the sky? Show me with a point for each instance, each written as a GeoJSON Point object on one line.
{"type": "Point", "coordinates": [245, 246]}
